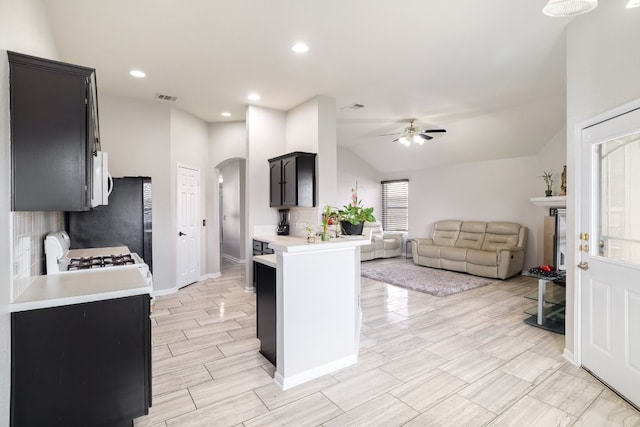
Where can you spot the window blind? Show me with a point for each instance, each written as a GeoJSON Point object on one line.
{"type": "Point", "coordinates": [395, 205]}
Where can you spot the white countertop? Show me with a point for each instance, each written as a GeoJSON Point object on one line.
{"type": "Point", "coordinates": [300, 244]}
{"type": "Point", "coordinates": [270, 260]}
{"type": "Point", "coordinates": [53, 290]}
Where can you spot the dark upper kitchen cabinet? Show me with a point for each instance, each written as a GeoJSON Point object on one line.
{"type": "Point", "coordinates": [292, 180]}
{"type": "Point", "coordinates": [81, 365]}
{"type": "Point", "coordinates": [53, 132]}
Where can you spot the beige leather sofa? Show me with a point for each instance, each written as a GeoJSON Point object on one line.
{"type": "Point", "coordinates": [383, 244]}
{"type": "Point", "coordinates": [489, 249]}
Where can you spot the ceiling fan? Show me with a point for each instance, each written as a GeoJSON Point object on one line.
{"type": "Point", "coordinates": [414, 134]}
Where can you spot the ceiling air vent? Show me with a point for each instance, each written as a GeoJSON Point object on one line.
{"type": "Point", "coordinates": [354, 106]}
{"type": "Point", "coordinates": [166, 97]}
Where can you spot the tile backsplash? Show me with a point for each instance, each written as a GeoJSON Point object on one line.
{"type": "Point", "coordinates": [29, 230]}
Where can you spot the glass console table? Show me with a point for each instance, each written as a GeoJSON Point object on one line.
{"type": "Point", "coordinates": [549, 312]}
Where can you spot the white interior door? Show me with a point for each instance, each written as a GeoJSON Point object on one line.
{"type": "Point", "coordinates": [609, 261]}
{"type": "Point", "coordinates": [188, 233]}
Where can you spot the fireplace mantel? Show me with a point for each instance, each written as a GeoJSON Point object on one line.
{"type": "Point", "coordinates": [550, 202]}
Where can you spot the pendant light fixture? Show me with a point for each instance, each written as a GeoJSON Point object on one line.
{"type": "Point", "coordinates": [562, 8]}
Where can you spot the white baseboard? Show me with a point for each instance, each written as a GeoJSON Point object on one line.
{"type": "Point", "coordinates": [161, 292]}
{"type": "Point", "coordinates": [569, 357]}
{"type": "Point", "coordinates": [210, 276]}
{"type": "Point", "coordinates": [234, 259]}
{"type": "Point", "coordinates": [306, 376]}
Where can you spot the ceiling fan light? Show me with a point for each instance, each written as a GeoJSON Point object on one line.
{"type": "Point", "coordinates": [633, 3]}
{"type": "Point", "coordinates": [562, 8]}
{"type": "Point", "coordinates": [404, 141]}
{"type": "Point", "coordinates": [418, 139]}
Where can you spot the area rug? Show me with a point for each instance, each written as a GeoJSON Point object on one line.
{"type": "Point", "coordinates": [404, 273]}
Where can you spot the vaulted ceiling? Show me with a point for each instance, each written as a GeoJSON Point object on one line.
{"type": "Point", "coordinates": [491, 72]}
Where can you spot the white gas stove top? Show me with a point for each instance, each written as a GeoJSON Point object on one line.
{"type": "Point", "coordinates": [62, 260]}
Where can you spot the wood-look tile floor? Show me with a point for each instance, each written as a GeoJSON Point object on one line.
{"type": "Point", "coordinates": [463, 360]}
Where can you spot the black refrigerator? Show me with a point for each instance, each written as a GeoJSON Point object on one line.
{"type": "Point", "coordinates": [125, 221]}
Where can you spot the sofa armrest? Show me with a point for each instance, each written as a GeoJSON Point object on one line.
{"type": "Point", "coordinates": [510, 249]}
{"type": "Point", "coordinates": [422, 241]}
{"type": "Point", "coordinates": [397, 235]}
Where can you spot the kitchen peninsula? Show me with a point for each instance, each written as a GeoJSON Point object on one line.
{"type": "Point", "coordinates": [317, 298]}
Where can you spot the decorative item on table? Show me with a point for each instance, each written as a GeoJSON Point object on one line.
{"type": "Point", "coordinates": [547, 176]}
{"type": "Point", "coordinates": [563, 185]}
{"type": "Point", "coordinates": [310, 236]}
{"type": "Point", "coordinates": [328, 218]}
{"type": "Point", "coordinates": [353, 216]}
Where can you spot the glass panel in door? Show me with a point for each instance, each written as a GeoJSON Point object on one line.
{"type": "Point", "coordinates": [619, 195]}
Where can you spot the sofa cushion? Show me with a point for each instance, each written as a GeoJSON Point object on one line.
{"type": "Point", "coordinates": [445, 233]}
{"type": "Point", "coordinates": [503, 228]}
{"type": "Point", "coordinates": [471, 235]}
{"type": "Point", "coordinates": [454, 254]}
{"type": "Point", "coordinates": [501, 235]}
{"type": "Point", "coordinates": [480, 257]}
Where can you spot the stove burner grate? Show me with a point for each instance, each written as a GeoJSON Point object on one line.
{"type": "Point", "coordinates": [100, 261]}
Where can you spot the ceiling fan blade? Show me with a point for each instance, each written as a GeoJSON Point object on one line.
{"type": "Point", "coordinates": [434, 130]}
{"type": "Point", "coordinates": [395, 140]}
{"type": "Point", "coordinates": [391, 134]}
{"type": "Point", "coordinates": [425, 136]}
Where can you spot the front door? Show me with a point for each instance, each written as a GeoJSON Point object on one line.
{"type": "Point", "coordinates": [609, 260]}
{"type": "Point", "coordinates": [188, 233]}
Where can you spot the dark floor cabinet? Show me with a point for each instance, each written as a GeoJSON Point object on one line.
{"type": "Point", "coordinates": [266, 310]}
{"type": "Point", "coordinates": [292, 180]}
{"type": "Point", "coordinates": [54, 129]}
{"type": "Point", "coordinates": [81, 365]}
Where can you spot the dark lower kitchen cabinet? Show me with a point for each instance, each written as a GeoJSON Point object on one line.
{"type": "Point", "coordinates": [81, 365]}
{"type": "Point", "coordinates": [54, 128]}
{"type": "Point", "coordinates": [292, 180]}
{"type": "Point", "coordinates": [266, 309]}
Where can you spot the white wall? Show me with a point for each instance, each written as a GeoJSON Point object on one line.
{"type": "Point", "coordinates": [136, 134]}
{"type": "Point", "coordinates": [190, 147]}
{"type": "Point", "coordinates": [227, 140]}
{"type": "Point", "coordinates": [496, 190]}
{"type": "Point", "coordinates": [327, 172]}
{"type": "Point", "coordinates": [302, 127]}
{"type": "Point", "coordinates": [352, 168]}
{"type": "Point", "coordinates": [233, 235]}
{"type": "Point", "coordinates": [311, 127]}
{"type": "Point", "coordinates": [266, 136]}
{"type": "Point", "coordinates": [24, 28]}
{"type": "Point", "coordinates": [603, 66]}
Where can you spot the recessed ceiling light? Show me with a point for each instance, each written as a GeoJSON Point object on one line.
{"type": "Point", "coordinates": [300, 48]}
{"type": "Point", "coordinates": [138, 73]}
{"type": "Point", "coordinates": [254, 97]}
{"type": "Point", "coordinates": [226, 114]}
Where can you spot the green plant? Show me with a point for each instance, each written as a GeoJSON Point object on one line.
{"type": "Point", "coordinates": [309, 229]}
{"type": "Point", "coordinates": [354, 212]}
{"type": "Point", "coordinates": [328, 216]}
{"type": "Point", "coordinates": [548, 179]}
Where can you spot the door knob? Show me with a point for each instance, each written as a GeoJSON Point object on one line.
{"type": "Point", "coordinates": [583, 265]}
{"type": "Point", "coordinates": [182, 234]}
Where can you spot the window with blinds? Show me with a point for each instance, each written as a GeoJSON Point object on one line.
{"type": "Point", "coordinates": [395, 205]}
